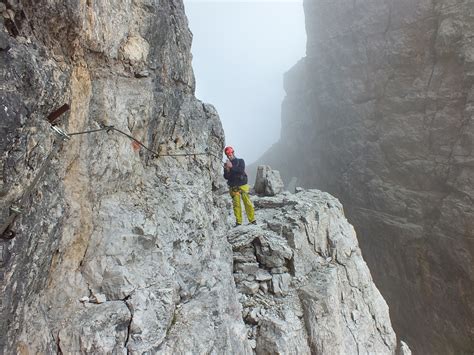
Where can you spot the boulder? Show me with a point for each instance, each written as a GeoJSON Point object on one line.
{"type": "Point", "coordinates": [268, 182]}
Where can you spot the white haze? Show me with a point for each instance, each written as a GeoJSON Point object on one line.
{"type": "Point", "coordinates": [240, 52]}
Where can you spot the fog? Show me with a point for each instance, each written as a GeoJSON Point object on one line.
{"type": "Point", "coordinates": [240, 52]}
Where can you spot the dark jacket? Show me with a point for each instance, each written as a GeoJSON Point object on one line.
{"type": "Point", "coordinates": [236, 176]}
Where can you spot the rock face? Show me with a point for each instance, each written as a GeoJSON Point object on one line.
{"type": "Point", "coordinates": [303, 284]}
{"type": "Point", "coordinates": [117, 250]}
{"type": "Point", "coordinates": [384, 101]}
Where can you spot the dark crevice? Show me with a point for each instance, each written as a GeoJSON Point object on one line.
{"type": "Point", "coordinates": [84, 256]}
{"type": "Point", "coordinates": [171, 324]}
{"type": "Point", "coordinates": [58, 345]}
{"type": "Point", "coordinates": [11, 27]}
{"type": "Point", "coordinates": [129, 323]}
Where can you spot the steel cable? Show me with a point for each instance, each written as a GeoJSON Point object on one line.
{"type": "Point", "coordinates": [7, 234]}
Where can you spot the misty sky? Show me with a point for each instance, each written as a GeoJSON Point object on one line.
{"type": "Point", "coordinates": [241, 49]}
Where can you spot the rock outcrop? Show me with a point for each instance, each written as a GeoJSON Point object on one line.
{"type": "Point", "coordinates": [303, 284]}
{"type": "Point", "coordinates": [268, 182]}
{"type": "Point", "coordinates": [380, 114]}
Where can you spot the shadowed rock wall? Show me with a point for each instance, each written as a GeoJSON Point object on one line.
{"type": "Point", "coordinates": [380, 114]}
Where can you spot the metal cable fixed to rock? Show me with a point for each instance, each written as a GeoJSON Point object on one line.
{"type": "Point", "coordinates": [156, 154]}
{"type": "Point", "coordinates": [16, 209]}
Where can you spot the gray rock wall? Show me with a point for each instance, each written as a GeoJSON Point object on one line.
{"type": "Point", "coordinates": [380, 113]}
{"type": "Point", "coordinates": [116, 250]}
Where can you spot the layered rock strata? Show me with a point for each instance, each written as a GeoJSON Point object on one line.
{"type": "Point", "coordinates": [303, 284]}
{"type": "Point", "coordinates": [380, 114]}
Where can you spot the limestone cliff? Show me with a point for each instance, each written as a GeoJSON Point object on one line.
{"type": "Point", "coordinates": [118, 249]}
{"type": "Point", "coordinates": [380, 114]}
{"type": "Point", "coordinates": [135, 234]}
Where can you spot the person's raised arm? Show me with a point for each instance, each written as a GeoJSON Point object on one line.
{"type": "Point", "coordinates": [227, 168]}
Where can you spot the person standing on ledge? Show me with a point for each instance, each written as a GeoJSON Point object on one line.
{"type": "Point", "coordinates": [234, 173]}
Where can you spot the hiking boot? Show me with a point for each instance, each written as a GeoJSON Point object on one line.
{"type": "Point", "coordinates": [253, 222]}
{"type": "Point", "coordinates": [237, 224]}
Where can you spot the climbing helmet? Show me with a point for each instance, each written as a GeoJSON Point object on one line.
{"type": "Point", "coordinates": [228, 150]}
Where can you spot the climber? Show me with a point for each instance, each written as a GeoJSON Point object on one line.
{"type": "Point", "coordinates": [234, 173]}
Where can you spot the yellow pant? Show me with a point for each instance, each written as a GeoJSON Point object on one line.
{"type": "Point", "coordinates": [235, 193]}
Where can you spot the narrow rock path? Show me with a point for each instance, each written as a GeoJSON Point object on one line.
{"type": "Point", "coordinates": [302, 282]}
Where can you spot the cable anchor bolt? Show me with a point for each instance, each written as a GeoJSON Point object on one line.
{"type": "Point", "coordinates": [108, 129]}
{"type": "Point", "coordinates": [16, 209]}
{"type": "Point", "coordinates": [61, 133]}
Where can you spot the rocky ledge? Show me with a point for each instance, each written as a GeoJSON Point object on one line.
{"type": "Point", "coordinates": [303, 284]}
